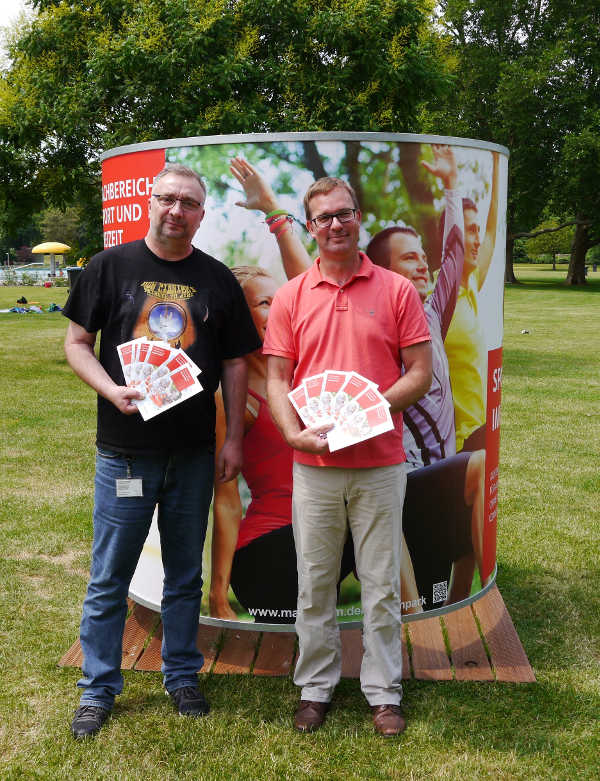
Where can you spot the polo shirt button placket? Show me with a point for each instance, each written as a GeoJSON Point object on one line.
{"type": "Point", "coordinates": [341, 303]}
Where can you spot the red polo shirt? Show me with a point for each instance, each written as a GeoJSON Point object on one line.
{"type": "Point", "coordinates": [359, 326]}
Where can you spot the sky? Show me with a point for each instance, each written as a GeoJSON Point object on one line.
{"type": "Point", "coordinates": [9, 10]}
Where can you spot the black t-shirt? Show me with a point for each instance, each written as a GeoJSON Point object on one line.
{"type": "Point", "coordinates": [195, 303]}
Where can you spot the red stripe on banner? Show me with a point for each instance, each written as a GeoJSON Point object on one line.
{"type": "Point", "coordinates": [492, 460]}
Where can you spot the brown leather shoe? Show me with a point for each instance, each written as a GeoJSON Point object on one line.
{"type": "Point", "coordinates": [310, 715]}
{"type": "Point", "coordinates": [388, 720]}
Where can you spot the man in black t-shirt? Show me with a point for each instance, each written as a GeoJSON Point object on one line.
{"type": "Point", "coordinates": [161, 288]}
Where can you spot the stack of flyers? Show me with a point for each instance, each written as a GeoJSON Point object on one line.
{"type": "Point", "coordinates": [352, 404]}
{"type": "Point", "coordinates": [164, 374]}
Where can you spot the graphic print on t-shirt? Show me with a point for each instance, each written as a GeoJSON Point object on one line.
{"type": "Point", "coordinates": [165, 314]}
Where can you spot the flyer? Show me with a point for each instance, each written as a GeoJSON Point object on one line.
{"type": "Point", "coordinates": [349, 401]}
{"type": "Point", "coordinates": [165, 375]}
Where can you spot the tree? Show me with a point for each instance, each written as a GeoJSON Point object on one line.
{"type": "Point", "coordinates": [86, 76]}
{"type": "Point", "coordinates": [63, 226]}
{"type": "Point", "coordinates": [392, 185]}
{"type": "Point", "coordinates": [527, 78]}
{"type": "Point", "coordinates": [550, 238]}
{"type": "Point", "coordinates": [579, 173]}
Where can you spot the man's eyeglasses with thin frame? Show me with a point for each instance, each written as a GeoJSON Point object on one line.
{"type": "Point", "coordinates": [168, 201]}
{"type": "Point", "coordinates": [325, 220]}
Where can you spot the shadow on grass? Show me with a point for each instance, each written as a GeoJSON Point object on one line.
{"type": "Point", "coordinates": [555, 621]}
{"type": "Point", "coordinates": [522, 362]}
{"type": "Point", "coordinates": [555, 617]}
{"type": "Point", "coordinates": [525, 284]}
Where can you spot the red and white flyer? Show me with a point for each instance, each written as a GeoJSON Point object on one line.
{"type": "Point", "coordinates": [363, 424]}
{"type": "Point", "coordinates": [128, 357]}
{"type": "Point", "coordinates": [369, 397]}
{"type": "Point", "coordinates": [314, 387]}
{"type": "Point", "coordinates": [164, 374]}
{"type": "Point", "coordinates": [352, 403]}
{"type": "Point", "coordinates": [167, 391]}
{"type": "Point", "coordinates": [299, 402]}
{"type": "Point", "coordinates": [356, 384]}
{"type": "Point", "coordinates": [332, 383]}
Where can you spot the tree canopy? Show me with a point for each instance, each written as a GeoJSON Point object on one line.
{"type": "Point", "coordinates": [551, 238]}
{"type": "Point", "coordinates": [528, 77]}
{"type": "Point", "coordinates": [86, 76]}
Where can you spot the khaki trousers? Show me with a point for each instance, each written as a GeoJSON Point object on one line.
{"type": "Point", "coordinates": [327, 502]}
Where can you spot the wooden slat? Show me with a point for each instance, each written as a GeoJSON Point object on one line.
{"type": "Point", "coordinates": [352, 652]}
{"type": "Point", "coordinates": [207, 641]}
{"type": "Point", "coordinates": [508, 657]}
{"type": "Point", "coordinates": [429, 658]}
{"type": "Point", "coordinates": [237, 653]}
{"type": "Point", "coordinates": [467, 652]}
{"type": "Point", "coordinates": [294, 660]}
{"type": "Point", "coordinates": [275, 654]}
{"type": "Point", "coordinates": [73, 657]}
{"type": "Point", "coordinates": [138, 626]}
{"type": "Point", "coordinates": [405, 660]}
{"type": "Point", "coordinates": [151, 659]}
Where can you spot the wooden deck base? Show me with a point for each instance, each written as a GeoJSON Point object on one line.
{"type": "Point", "coordinates": [476, 643]}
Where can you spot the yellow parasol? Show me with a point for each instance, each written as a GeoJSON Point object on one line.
{"type": "Point", "coordinates": [51, 248]}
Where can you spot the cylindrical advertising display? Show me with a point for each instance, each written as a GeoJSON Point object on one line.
{"type": "Point", "coordinates": [432, 209]}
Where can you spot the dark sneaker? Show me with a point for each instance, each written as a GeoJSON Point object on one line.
{"type": "Point", "coordinates": [88, 720]}
{"type": "Point", "coordinates": [190, 701]}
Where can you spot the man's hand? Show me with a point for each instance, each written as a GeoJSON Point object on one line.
{"type": "Point", "coordinates": [311, 440]}
{"type": "Point", "coordinates": [121, 396]}
{"type": "Point", "coordinates": [279, 379]}
{"type": "Point", "coordinates": [443, 166]}
{"type": "Point", "coordinates": [259, 194]}
{"type": "Point", "coordinates": [229, 461]}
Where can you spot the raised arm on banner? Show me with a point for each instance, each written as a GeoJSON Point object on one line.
{"type": "Point", "coordinates": [260, 196]}
{"type": "Point", "coordinates": [443, 166]}
{"type": "Point", "coordinates": [487, 245]}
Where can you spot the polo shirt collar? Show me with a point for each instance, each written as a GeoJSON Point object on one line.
{"type": "Point", "coordinates": [365, 270]}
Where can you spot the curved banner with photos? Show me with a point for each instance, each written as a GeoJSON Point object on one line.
{"type": "Point", "coordinates": [432, 209]}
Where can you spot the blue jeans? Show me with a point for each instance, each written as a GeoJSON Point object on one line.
{"type": "Point", "coordinates": [181, 484]}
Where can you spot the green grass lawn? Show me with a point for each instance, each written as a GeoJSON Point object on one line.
{"type": "Point", "coordinates": [548, 573]}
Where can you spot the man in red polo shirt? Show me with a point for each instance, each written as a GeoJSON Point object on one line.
{"type": "Point", "coordinates": [347, 314]}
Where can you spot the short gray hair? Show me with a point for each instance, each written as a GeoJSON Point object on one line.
{"type": "Point", "coordinates": [180, 170]}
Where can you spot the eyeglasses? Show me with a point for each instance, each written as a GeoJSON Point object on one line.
{"type": "Point", "coordinates": [325, 220]}
{"type": "Point", "coordinates": [168, 201]}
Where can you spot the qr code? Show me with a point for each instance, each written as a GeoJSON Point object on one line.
{"type": "Point", "coordinates": [440, 592]}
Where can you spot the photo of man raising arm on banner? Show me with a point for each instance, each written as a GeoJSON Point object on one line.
{"type": "Point", "coordinates": [465, 342]}
{"type": "Point", "coordinates": [444, 506]}
{"type": "Point", "coordinates": [443, 521]}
